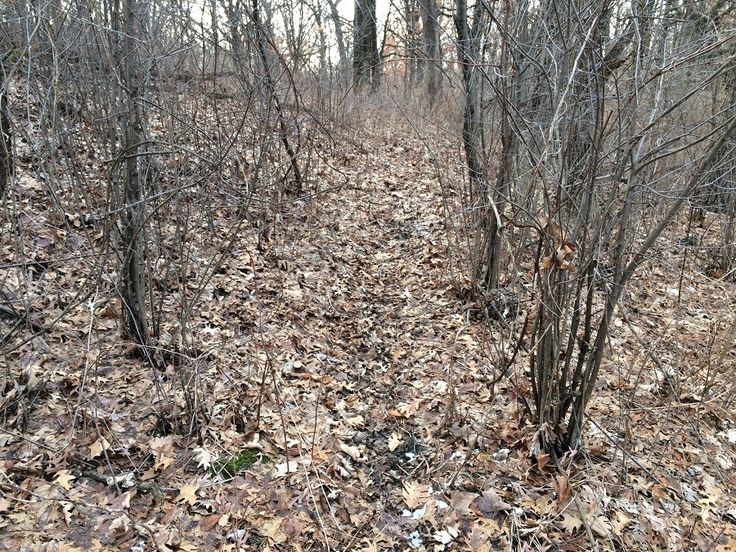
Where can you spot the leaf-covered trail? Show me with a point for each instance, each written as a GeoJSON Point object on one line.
{"type": "Point", "coordinates": [367, 284]}
{"type": "Point", "coordinates": [367, 338]}
{"type": "Point", "coordinates": [366, 299]}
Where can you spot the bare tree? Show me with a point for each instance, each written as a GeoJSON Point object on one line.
{"type": "Point", "coordinates": [432, 73]}
{"type": "Point", "coordinates": [342, 50]}
{"type": "Point", "coordinates": [262, 46]}
{"type": "Point", "coordinates": [584, 103]}
{"type": "Point", "coordinates": [484, 220]}
{"type": "Point", "coordinates": [366, 61]}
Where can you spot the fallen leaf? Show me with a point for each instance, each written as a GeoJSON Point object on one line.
{"type": "Point", "coordinates": [488, 504]}
{"type": "Point", "coordinates": [415, 494]}
{"type": "Point", "coordinates": [446, 536]}
{"type": "Point", "coordinates": [601, 527]}
{"type": "Point", "coordinates": [394, 441]}
{"type": "Point", "coordinates": [271, 528]}
{"type": "Point", "coordinates": [204, 457]}
{"type": "Point", "coordinates": [352, 451]}
{"type": "Point", "coordinates": [163, 449]}
{"type": "Point", "coordinates": [207, 523]}
{"type": "Point", "coordinates": [570, 523]}
{"type": "Point", "coordinates": [122, 501]}
{"type": "Point", "coordinates": [188, 493]}
{"type": "Point", "coordinates": [64, 478]}
{"type": "Point", "coordinates": [98, 447]}
{"type": "Point", "coordinates": [562, 487]}
{"type": "Point", "coordinates": [619, 521]}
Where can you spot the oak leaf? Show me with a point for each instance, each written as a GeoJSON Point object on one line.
{"type": "Point", "coordinates": [570, 523]}
{"type": "Point", "coordinates": [188, 493]}
{"type": "Point", "coordinates": [98, 447]}
{"type": "Point", "coordinates": [488, 504]}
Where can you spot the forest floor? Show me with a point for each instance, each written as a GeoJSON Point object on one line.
{"type": "Point", "coordinates": [345, 399]}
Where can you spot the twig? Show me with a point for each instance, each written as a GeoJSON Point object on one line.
{"type": "Point", "coordinates": [626, 453]}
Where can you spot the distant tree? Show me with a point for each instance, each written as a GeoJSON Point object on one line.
{"type": "Point", "coordinates": [262, 45]}
{"type": "Point", "coordinates": [342, 50]}
{"type": "Point", "coordinates": [414, 51]}
{"type": "Point", "coordinates": [366, 60]}
{"type": "Point", "coordinates": [432, 74]}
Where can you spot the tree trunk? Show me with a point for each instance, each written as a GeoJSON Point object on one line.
{"type": "Point", "coordinates": [6, 143]}
{"type": "Point", "coordinates": [487, 239]}
{"type": "Point", "coordinates": [414, 50]}
{"type": "Point", "coordinates": [432, 61]}
{"type": "Point", "coordinates": [366, 62]}
{"type": "Point", "coordinates": [261, 44]}
{"type": "Point", "coordinates": [132, 291]}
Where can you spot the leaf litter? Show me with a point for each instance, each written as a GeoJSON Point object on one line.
{"type": "Point", "coordinates": [346, 334]}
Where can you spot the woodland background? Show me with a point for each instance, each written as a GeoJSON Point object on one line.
{"type": "Point", "coordinates": [421, 275]}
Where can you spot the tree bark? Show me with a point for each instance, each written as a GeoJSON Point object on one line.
{"type": "Point", "coordinates": [366, 60]}
{"type": "Point", "coordinates": [488, 226]}
{"type": "Point", "coordinates": [6, 142]}
{"type": "Point", "coordinates": [342, 50]}
{"type": "Point", "coordinates": [432, 61]}
{"type": "Point", "coordinates": [132, 291]}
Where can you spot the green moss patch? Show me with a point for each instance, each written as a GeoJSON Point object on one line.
{"type": "Point", "coordinates": [243, 459]}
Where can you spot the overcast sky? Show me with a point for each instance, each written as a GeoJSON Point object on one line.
{"type": "Point", "coordinates": [347, 7]}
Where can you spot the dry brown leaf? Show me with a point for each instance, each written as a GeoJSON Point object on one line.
{"type": "Point", "coordinates": [163, 449]}
{"type": "Point", "coordinates": [352, 451]}
{"type": "Point", "coordinates": [415, 495]}
{"type": "Point", "coordinates": [479, 537]}
{"type": "Point", "coordinates": [562, 487]}
{"type": "Point", "coordinates": [570, 523]}
{"type": "Point", "coordinates": [542, 460]}
{"type": "Point", "coordinates": [394, 441]}
{"type": "Point", "coordinates": [64, 478]}
{"type": "Point", "coordinates": [122, 501]}
{"type": "Point", "coordinates": [601, 527]}
{"type": "Point", "coordinates": [488, 504]}
{"type": "Point", "coordinates": [98, 447]}
{"type": "Point", "coordinates": [207, 523]}
{"type": "Point", "coordinates": [477, 540]}
{"type": "Point", "coordinates": [619, 521]}
{"type": "Point", "coordinates": [271, 528]}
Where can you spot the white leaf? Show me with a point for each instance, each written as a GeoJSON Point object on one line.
{"type": "Point", "coordinates": [204, 457]}
{"type": "Point", "coordinates": [446, 536]}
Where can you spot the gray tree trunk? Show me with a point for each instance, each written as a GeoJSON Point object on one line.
{"type": "Point", "coordinates": [432, 54]}
{"type": "Point", "coordinates": [342, 50]}
{"type": "Point", "coordinates": [366, 60]}
{"type": "Point", "coordinates": [132, 290]}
